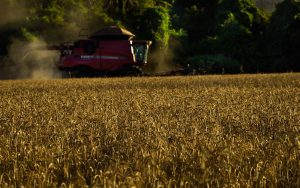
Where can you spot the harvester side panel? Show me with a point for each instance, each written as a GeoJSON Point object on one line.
{"type": "Point", "coordinates": [72, 61]}
{"type": "Point", "coordinates": [115, 54]}
{"type": "Point", "coordinates": [84, 54]}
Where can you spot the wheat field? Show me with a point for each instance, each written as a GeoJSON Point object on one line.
{"type": "Point", "coordinates": [197, 131]}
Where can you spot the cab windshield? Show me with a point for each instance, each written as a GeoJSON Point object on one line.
{"type": "Point", "coordinates": [140, 51]}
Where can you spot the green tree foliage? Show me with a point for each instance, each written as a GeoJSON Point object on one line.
{"type": "Point", "coordinates": [11, 21]}
{"type": "Point", "coordinates": [51, 19]}
{"type": "Point", "coordinates": [223, 30]}
{"type": "Point", "coordinates": [232, 39]}
{"type": "Point", "coordinates": [231, 28]}
{"type": "Point", "coordinates": [282, 38]}
{"type": "Point", "coordinates": [155, 24]}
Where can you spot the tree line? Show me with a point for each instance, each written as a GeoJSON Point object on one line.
{"type": "Point", "coordinates": [206, 36]}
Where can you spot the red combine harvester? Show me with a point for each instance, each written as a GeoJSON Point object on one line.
{"type": "Point", "coordinates": [110, 51]}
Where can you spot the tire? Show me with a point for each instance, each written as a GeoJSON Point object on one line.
{"type": "Point", "coordinates": [66, 74]}
{"type": "Point", "coordinates": [81, 72]}
{"type": "Point", "coordinates": [132, 71]}
{"type": "Point", "coordinates": [85, 74]}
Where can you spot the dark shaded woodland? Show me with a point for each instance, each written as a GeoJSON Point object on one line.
{"type": "Point", "coordinates": [208, 36]}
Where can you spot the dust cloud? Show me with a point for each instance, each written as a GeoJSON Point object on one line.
{"type": "Point", "coordinates": [25, 60]}
{"type": "Point", "coordinates": [268, 5]}
{"type": "Point", "coordinates": [32, 60]}
{"type": "Point", "coordinates": [162, 58]}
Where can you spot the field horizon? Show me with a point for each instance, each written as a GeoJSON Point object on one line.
{"type": "Point", "coordinates": [193, 131]}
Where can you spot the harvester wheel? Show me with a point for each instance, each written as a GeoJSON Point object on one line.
{"type": "Point", "coordinates": [66, 74]}
{"type": "Point", "coordinates": [133, 71]}
{"type": "Point", "coordinates": [85, 74]}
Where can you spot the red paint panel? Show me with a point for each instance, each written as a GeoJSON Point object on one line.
{"type": "Point", "coordinates": [115, 54]}
{"type": "Point", "coordinates": [75, 61]}
{"type": "Point", "coordinates": [108, 55]}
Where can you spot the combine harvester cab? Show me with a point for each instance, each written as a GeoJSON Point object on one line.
{"type": "Point", "coordinates": [110, 51]}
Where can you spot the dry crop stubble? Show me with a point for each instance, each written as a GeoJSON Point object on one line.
{"type": "Point", "coordinates": [241, 130]}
